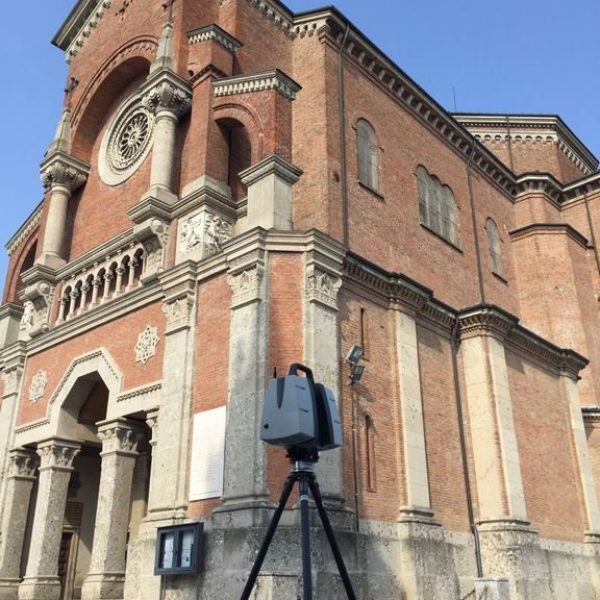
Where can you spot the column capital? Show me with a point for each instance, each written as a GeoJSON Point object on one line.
{"type": "Point", "coordinates": [62, 169]}
{"type": "Point", "coordinates": [486, 320]}
{"type": "Point", "coordinates": [57, 453]}
{"type": "Point", "coordinates": [165, 91]}
{"type": "Point", "coordinates": [322, 287]}
{"type": "Point", "coordinates": [119, 436]}
{"type": "Point", "coordinates": [23, 464]}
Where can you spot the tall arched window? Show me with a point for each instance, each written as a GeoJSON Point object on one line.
{"type": "Point", "coordinates": [437, 208]}
{"type": "Point", "coordinates": [494, 248]}
{"type": "Point", "coordinates": [368, 155]}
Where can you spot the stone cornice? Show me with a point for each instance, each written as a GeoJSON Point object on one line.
{"type": "Point", "coordinates": [214, 33]}
{"type": "Point", "coordinates": [531, 128]}
{"type": "Point", "coordinates": [276, 12]}
{"type": "Point", "coordinates": [591, 415]}
{"type": "Point", "coordinates": [539, 182]}
{"type": "Point", "coordinates": [269, 165]}
{"type": "Point", "coordinates": [257, 82]}
{"type": "Point", "coordinates": [385, 73]}
{"type": "Point", "coordinates": [486, 320]}
{"type": "Point", "coordinates": [84, 17]}
{"type": "Point", "coordinates": [33, 220]}
{"type": "Point", "coordinates": [549, 229]}
{"type": "Point", "coordinates": [585, 186]}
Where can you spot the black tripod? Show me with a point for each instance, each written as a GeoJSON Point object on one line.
{"type": "Point", "coordinates": [302, 472]}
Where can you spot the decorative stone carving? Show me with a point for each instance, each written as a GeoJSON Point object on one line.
{"type": "Point", "coordinates": [64, 170]}
{"type": "Point", "coordinates": [213, 33]}
{"type": "Point", "coordinates": [177, 313]}
{"type": "Point", "coordinates": [168, 94]}
{"type": "Point", "coordinates": [118, 436]}
{"type": "Point", "coordinates": [146, 345]}
{"type": "Point", "coordinates": [37, 308]}
{"type": "Point", "coordinates": [153, 234]}
{"type": "Point", "coordinates": [126, 143]}
{"type": "Point", "coordinates": [22, 463]}
{"type": "Point", "coordinates": [205, 232]}
{"type": "Point", "coordinates": [26, 323]}
{"type": "Point", "coordinates": [38, 385]}
{"type": "Point", "coordinates": [11, 381]}
{"type": "Point", "coordinates": [323, 287]}
{"type": "Point", "coordinates": [246, 286]}
{"type": "Point", "coordinates": [57, 455]}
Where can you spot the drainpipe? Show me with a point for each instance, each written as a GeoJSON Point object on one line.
{"type": "Point", "coordinates": [586, 201]}
{"type": "Point", "coordinates": [343, 154]}
{"type": "Point", "coordinates": [474, 222]}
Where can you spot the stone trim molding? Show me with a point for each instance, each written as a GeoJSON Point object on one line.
{"type": "Point", "coordinates": [11, 379]}
{"type": "Point", "coordinates": [213, 33]}
{"type": "Point", "coordinates": [145, 390]}
{"type": "Point", "coordinates": [591, 415]}
{"type": "Point", "coordinates": [322, 287]}
{"type": "Point", "coordinates": [33, 220]}
{"type": "Point", "coordinates": [257, 82]}
{"type": "Point", "coordinates": [153, 235]}
{"type": "Point", "coordinates": [271, 165]}
{"type": "Point", "coordinates": [486, 320]}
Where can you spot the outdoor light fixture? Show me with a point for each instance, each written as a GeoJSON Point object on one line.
{"type": "Point", "coordinates": [353, 358]}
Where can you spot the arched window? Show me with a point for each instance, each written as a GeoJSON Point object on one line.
{"type": "Point", "coordinates": [437, 208]}
{"type": "Point", "coordinates": [494, 247]}
{"type": "Point", "coordinates": [368, 155]}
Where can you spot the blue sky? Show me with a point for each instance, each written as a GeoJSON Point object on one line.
{"type": "Point", "coordinates": [525, 56]}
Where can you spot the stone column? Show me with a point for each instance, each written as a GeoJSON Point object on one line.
{"type": "Point", "coordinates": [106, 577]}
{"type": "Point", "coordinates": [169, 97]}
{"type": "Point", "coordinates": [41, 580]}
{"type": "Point", "coordinates": [245, 457]}
{"type": "Point", "coordinates": [62, 174]}
{"type": "Point", "coordinates": [322, 355]}
{"type": "Point", "coordinates": [269, 185]}
{"type": "Point", "coordinates": [20, 481]}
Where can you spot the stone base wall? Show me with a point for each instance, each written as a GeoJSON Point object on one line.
{"type": "Point", "coordinates": [385, 561]}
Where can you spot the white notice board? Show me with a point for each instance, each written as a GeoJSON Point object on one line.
{"type": "Point", "coordinates": [208, 454]}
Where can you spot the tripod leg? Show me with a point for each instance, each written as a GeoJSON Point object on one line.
{"type": "Point", "coordinates": [260, 557]}
{"type": "Point", "coordinates": [337, 555]}
{"type": "Point", "coordinates": [305, 526]}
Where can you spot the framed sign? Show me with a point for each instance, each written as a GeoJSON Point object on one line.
{"type": "Point", "coordinates": [179, 549]}
{"type": "Point", "coordinates": [208, 454]}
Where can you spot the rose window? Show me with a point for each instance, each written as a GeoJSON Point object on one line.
{"type": "Point", "coordinates": [126, 143]}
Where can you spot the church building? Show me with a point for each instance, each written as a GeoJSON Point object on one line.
{"type": "Point", "coordinates": [234, 187]}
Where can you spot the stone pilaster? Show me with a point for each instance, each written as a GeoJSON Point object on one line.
{"type": "Point", "coordinates": [41, 580]}
{"type": "Point", "coordinates": [269, 185]}
{"type": "Point", "coordinates": [322, 349]}
{"type": "Point", "coordinates": [168, 488]}
{"type": "Point", "coordinates": [21, 477]}
{"type": "Point", "coordinates": [62, 174]}
{"type": "Point", "coordinates": [12, 377]}
{"type": "Point", "coordinates": [508, 545]}
{"type": "Point", "coordinates": [106, 576]}
{"type": "Point", "coordinates": [245, 457]}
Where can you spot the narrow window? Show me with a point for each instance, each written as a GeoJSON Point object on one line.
{"type": "Point", "coordinates": [437, 208]}
{"type": "Point", "coordinates": [364, 333]}
{"type": "Point", "coordinates": [368, 155]}
{"type": "Point", "coordinates": [370, 454]}
{"type": "Point", "coordinates": [494, 247]}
